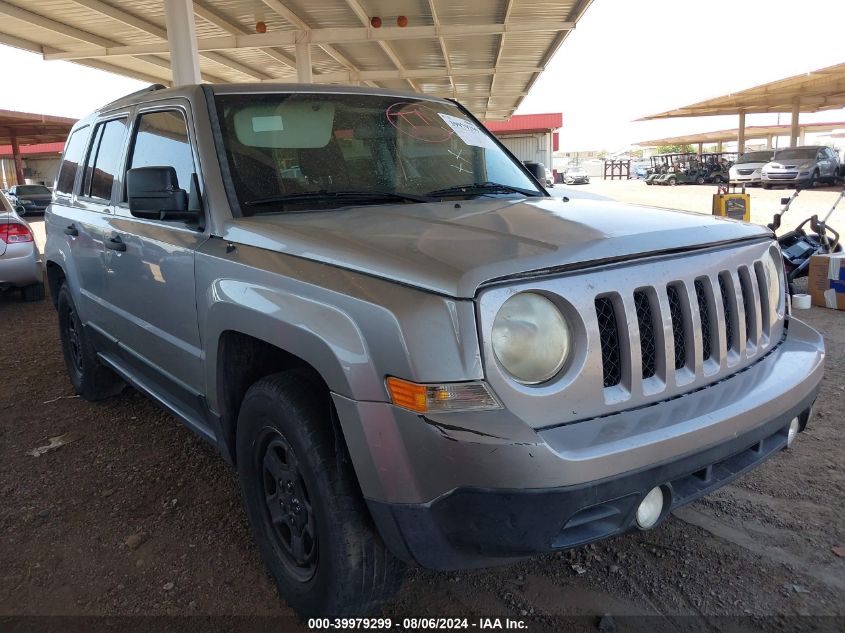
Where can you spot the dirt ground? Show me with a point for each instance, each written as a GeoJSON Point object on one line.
{"type": "Point", "coordinates": [138, 516]}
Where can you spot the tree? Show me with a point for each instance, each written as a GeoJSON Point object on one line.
{"type": "Point", "coordinates": [676, 149]}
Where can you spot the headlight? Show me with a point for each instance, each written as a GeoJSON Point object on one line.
{"type": "Point", "coordinates": [22, 201]}
{"type": "Point", "coordinates": [530, 338]}
{"type": "Point", "coordinates": [773, 263]}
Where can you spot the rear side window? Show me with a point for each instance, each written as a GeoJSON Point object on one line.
{"type": "Point", "coordinates": [70, 163]}
{"type": "Point", "coordinates": [103, 159]}
{"type": "Point", "coordinates": [162, 141]}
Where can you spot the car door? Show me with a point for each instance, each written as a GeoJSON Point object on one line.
{"type": "Point", "coordinates": [79, 213]}
{"type": "Point", "coordinates": [150, 278]}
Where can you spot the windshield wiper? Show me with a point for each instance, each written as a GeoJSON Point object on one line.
{"type": "Point", "coordinates": [482, 188]}
{"type": "Point", "coordinates": [350, 194]}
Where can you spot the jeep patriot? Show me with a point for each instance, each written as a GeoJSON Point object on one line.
{"type": "Point", "coordinates": [410, 352]}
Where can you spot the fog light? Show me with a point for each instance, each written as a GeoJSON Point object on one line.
{"type": "Point", "coordinates": [650, 508]}
{"type": "Point", "coordinates": [794, 427]}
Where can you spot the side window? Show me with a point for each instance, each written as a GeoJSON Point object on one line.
{"type": "Point", "coordinates": [74, 148]}
{"type": "Point", "coordinates": [103, 159]}
{"type": "Point", "coordinates": [161, 140]}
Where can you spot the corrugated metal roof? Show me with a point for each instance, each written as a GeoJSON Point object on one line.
{"type": "Point", "coordinates": [28, 127]}
{"type": "Point", "coordinates": [486, 53]}
{"type": "Point", "coordinates": [751, 131]}
{"type": "Point", "coordinates": [31, 150]}
{"type": "Point", "coordinates": [527, 123]}
{"type": "Point", "coordinates": [822, 89]}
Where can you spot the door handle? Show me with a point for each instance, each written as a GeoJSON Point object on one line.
{"type": "Point", "coordinates": [115, 244]}
{"type": "Point", "coordinates": [72, 230]}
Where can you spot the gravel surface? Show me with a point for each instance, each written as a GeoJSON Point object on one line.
{"type": "Point", "coordinates": [135, 515]}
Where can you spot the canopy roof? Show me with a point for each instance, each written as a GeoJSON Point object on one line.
{"type": "Point", "coordinates": [28, 128]}
{"type": "Point", "coordinates": [486, 54]}
{"type": "Point", "coordinates": [815, 91]}
{"type": "Point", "coordinates": [751, 131]}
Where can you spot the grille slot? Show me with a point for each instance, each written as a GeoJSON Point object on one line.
{"type": "Point", "coordinates": [727, 306]}
{"type": "Point", "coordinates": [645, 321]}
{"type": "Point", "coordinates": [678, 333]}
{"type": "Point", "coordinates": [704, 314]}
{"type": "Point", "coordinates": [765, 305]}
{"type": "Point", "coordinates": [611, 356]}
{"type": "Point", "coordinates": [748, 304]}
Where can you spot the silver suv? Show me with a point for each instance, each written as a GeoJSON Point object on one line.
{"type": "Point", "coordinates": [804, 166]}
{"type": "Point", "coordinates": [411, 353]}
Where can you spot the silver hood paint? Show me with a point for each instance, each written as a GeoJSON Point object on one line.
{"type": "Point", "coordinates": [453, 250]}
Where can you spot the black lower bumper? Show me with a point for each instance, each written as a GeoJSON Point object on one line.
{"type": "Point", "coordinates": [471, 527]}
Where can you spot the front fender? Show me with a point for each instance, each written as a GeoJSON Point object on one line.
{"type": "Point", "coordinates": [353, 329]}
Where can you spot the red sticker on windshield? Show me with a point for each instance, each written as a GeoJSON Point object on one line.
{"type": "Point", "coordinates": [418, 121]}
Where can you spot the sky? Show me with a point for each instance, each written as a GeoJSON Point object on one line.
{"type": "Point", "coordinates": [625, 59]}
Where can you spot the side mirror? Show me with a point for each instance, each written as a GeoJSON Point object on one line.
{"type": "Point", "coordinates": [154, 194]}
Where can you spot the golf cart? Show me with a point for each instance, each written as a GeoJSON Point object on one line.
{"type": "Point", "coordinates": [662, 165]}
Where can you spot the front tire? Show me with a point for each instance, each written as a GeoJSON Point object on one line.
{"type": "Point", "coordinates": [304, 506]}
{"type": "Point", "coordinates": [812, 180]}
{"type": "Point", "coordinates": [90, 379]}
{"type": "Point", "coordinates": [671, 182]}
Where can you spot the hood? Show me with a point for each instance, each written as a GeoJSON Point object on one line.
{"type": "Point", "coordinates": [40, 197]}
{"type": "Point", "coordinates": [786, 162]}
{"type": "Point", "coordinates": [452, 251]}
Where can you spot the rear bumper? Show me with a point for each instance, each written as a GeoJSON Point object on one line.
{"type": "Point", "coordinates": [446, 496]}
{"type": "Point", "coordinates": [19, 265]}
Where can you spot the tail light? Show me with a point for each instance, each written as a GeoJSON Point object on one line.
{"type": "Point", "coordinates": [13, 233]}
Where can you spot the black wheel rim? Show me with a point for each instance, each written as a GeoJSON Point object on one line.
{"type": "Point", "coordinates": [288, 514]}
{"type": "Point", "coordinates": [73, 338]}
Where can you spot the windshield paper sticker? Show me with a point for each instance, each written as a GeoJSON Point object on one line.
{"type": "Point", "coordinates": [467, 131]}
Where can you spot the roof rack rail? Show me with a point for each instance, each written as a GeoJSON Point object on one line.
{"type": "Point", "coordinates": [136, 93]}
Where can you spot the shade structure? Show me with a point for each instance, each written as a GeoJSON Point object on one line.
{"type": "Point", "coordinates": [487, 54]}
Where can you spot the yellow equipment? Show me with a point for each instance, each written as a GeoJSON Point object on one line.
{"type": "Point", "coordinates": [732, 205]}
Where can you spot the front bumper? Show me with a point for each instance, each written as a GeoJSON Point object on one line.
{"type": "Point", "coordinates": [785, 176]}
{"type": "Point", "coordinates": [447, 497]}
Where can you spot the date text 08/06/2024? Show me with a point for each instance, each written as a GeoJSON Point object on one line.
{"type": "Point", "coordinates": [358, 624]}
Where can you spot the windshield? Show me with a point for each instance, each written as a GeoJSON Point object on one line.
{"type": "Point", "coordinates": [796, 154]}
{"type": "Point", "coordinates": [308, 149]}
{"type": "Point", "coordinates": [755, 157]}
{"type": "Point", "coordinates": [32, 190]}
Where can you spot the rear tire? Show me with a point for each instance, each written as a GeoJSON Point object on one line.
{"type": "Point", "coordinates": [306, 511]}
{"type": "Point", "coordinates": [90, 379]}
{"type": "Point", "coordinates": [671, 182]}
{"type": "Point", "coordinates": [33, 292]}
{"type": "Point", "coordinates": [766, 185]}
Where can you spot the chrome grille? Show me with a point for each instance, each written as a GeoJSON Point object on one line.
{"type": "Point", "coordinates": [630, 352]}
{"type": "Point", "coordinates": [729, 319]}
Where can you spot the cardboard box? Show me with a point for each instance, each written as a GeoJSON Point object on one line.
{"type": "Point", "coordinates": [826, 283]}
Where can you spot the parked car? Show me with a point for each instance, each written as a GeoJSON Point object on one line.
{"type": "Point", "coordinates": [748, 169]}
{"type": "Point", "coordinates": [576, 175]}
{"type": "Point", "coordinates": [28, 199]}
{"type": "Point", "coordinates": [411, 353]}
{"type": "Point", "coordinates": [804, 165]}
{"type": "Point", "coordinates": [20, 262]}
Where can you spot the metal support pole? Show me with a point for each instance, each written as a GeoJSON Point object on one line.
{"type": "Point", "coordinates": [16, 156]}
{"type": "Point", "coordinates": [700, 148]}
{"type": "Point", "coordinates": [740, 142]}
{"type": "Point", "coordinates": [182, 40]}
{"type": "Point", "coordinates": [793, 130]}
{"type": "Point", "coordinates": [769, 142]}
{"type": "Point", "coordinates": [719, 147]}
{"type": "Point", "coordinates": [303, 63]}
